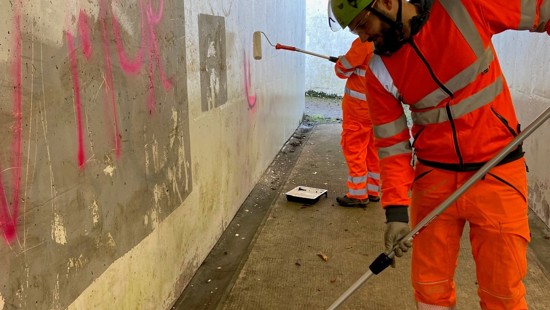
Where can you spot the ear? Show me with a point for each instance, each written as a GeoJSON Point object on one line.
{"type": "Point", "coordinates": [386, 4]}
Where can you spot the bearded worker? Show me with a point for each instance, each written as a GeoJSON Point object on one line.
{"type": "Point", "coordinates": [437, 58]}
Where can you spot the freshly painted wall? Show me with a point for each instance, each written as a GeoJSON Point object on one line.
{"type": "Point", "coordinates": [321, 39]}
{"type": "Point", "coordinates": [525, 59]}
{"type": "Point", "coordinates": [133, 130]}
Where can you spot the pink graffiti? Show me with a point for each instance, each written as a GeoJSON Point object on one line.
{"type": "Point", "coordinates": [84, 31]}
{"type": "Point", "coordinates": [8, 218]}
{"type": "Point", "coordinates": [77, 103]}
{"type": "Point", "coordinates": [148, 44]}
{"type": "Point", "coordinates": [154, 54]}
{"type": "Point", "coordinates": [251, 99]}
{"type": "Point", "coordinates": [110, 101]}
{"type": "Point", "coordinates": [9, 208]}
{"type": "Point", "coordinates": [129, 65]}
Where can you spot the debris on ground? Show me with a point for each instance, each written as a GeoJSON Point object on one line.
{"type": "Point", "coordinates": [323, 257]}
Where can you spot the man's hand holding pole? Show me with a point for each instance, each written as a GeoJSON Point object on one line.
{"type": "Point", "coordinates": [397, 227]}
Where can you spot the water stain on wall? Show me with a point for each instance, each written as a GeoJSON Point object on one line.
{"type": "Point", "coordinates": [538, 200]}
{"type": "Point", "coordinates": [212, 61]}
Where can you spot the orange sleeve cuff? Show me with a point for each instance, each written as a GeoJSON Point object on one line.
{"type": "Point", "coordinates": [396, 178]}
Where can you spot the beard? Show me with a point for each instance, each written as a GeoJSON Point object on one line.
{"type": "Point", "coordinates": [392, 40]}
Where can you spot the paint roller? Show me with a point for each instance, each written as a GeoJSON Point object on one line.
{"type": "Point", "coordinates": [257, 46]}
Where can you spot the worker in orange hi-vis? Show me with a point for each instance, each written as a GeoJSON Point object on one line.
{"type": "Point", "coordinates": [436, 56]}
{"type": "Point", "coordinates": [357, 134]}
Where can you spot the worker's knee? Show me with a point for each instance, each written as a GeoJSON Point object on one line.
{"type": "Point", "coordinates": [500, 276]}
{"type": "Point", "coordinates": [435, 294]}
{"type": "Point", "coordinates": [514, 299]}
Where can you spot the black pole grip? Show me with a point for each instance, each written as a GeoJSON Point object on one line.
{"type": "Point", "coordinates": [382, 262]}
{"type": "Point", "coordinates": [333, 59]}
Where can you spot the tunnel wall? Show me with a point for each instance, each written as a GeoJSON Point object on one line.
{"type": "Point", "coordinates": [132, 131]}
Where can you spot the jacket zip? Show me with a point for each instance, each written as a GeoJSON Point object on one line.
{"type": "Point", "coordinates": [505, 122]}
{"type": "Point", "coordinates": [417, 135]}
{"type": "Point", "coordinates": [448, 106]}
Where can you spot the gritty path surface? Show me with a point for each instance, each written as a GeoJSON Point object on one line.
{"type": "Point", "coordinates": [323, 110]}
{"type": "Point", "coordinates": [285, 255]}
{"type": "Point", "coordinates": [305, 256]}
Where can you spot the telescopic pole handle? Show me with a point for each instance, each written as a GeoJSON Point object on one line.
{"type": "Point", "coordinates": [280, 46]}
{"type": "Point", "coordinates": [314, 54]}
{"type": "Point", "coordinates": [382, 262]}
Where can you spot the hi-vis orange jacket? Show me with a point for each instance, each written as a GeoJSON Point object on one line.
{"type": "Point", "coordinates": [352, 67]}
{"type": "Point", "coordinates": [450, 77]}
{"type": "Point", "coordinates": [357, 132]}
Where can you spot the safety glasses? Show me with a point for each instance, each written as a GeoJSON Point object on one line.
{"type": "Point", "coordinates": [363, 20]}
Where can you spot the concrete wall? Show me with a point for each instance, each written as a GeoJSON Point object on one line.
{"type": "Point", "coordinates": [132, 132]}
{"type": "Point", "coordinates": [320, 39]}
{"type": "Point", "coordinates": [525, 59]}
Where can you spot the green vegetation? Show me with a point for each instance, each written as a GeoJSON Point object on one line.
{"type": "Point", "coordinates": [320, 119]}
{"type": "Point", "coordinates": [320, 94]}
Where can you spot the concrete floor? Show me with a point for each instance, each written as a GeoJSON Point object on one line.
{"type": "Point", "coordinates": [278, 254]}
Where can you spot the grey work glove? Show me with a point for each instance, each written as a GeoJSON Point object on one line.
{"type": "Point", "coordinates": [397, 227]}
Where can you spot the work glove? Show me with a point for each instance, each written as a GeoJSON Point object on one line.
{"type": "Point", "coordinates": [397, 227]}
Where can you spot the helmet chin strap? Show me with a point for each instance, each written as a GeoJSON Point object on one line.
{"type": "Point", "coordinates": [397, 24]}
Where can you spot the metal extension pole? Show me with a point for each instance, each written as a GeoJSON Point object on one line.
{"type": "Point", "coordinates": [295, 49]}
{"type": "Point", "coordinates": [317, 55]}
{"type": "Point", "coordinates": [383, 260]}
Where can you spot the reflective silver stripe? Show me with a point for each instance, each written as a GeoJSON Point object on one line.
{"type": "Point", "coordinates": [485, 56]}
{"type": "Point", "coordinates": [423, 306]}
{"type": "Point", "coordinates": [355, 94]}
{"type": "Point", "coordinates": [372, 188]}
{"type": "Point", "coordinates": [344, 61]}
{"type": "Point", "coordinates": [360, 72]}
{"type": "Point", "coordinates": [460, 16]}
{"type": "Point", "coordinates": [459, 81]}
{"type": "Point", "coordinates": [357, 192]}
{"type": "Point", "coordinates": [467, 105]}
{"type": "Point", "coordinates": [528, 14]}
{"type": "Point", "coordinates": [379, 70]}
{"type": "Point", "coordinates": [374, 176]}
{"type": "Point", "coordinates": [357, 180]}
{"type": "Point", "coordinates": [392, 128]}
{"type": "Point", "coordinates": [396, 149]}
{"type": "Point", "coordinates": [347, 74]}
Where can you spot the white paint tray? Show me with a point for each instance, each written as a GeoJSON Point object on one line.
{"type": "Point", "coordinates": [304, 194]}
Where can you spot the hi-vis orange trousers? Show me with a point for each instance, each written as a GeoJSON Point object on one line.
{"type": "Point", "coordinates": [358, 148]}
{"type": "Point", "coordinates": [496, 210]}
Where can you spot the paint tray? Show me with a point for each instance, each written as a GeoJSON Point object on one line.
{"type": "Point", "coordinates": [304, 194]}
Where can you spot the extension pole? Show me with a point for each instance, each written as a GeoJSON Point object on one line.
{"type": "Point", "coordinates": [383, 260]}
{"type": "Point", "coordinates": [257, 46]}
{"type": "Point", "coordinates": [295, 49]}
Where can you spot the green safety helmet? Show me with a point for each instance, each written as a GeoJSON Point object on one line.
{"type": "Point", "coordinates": [344, 11]}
